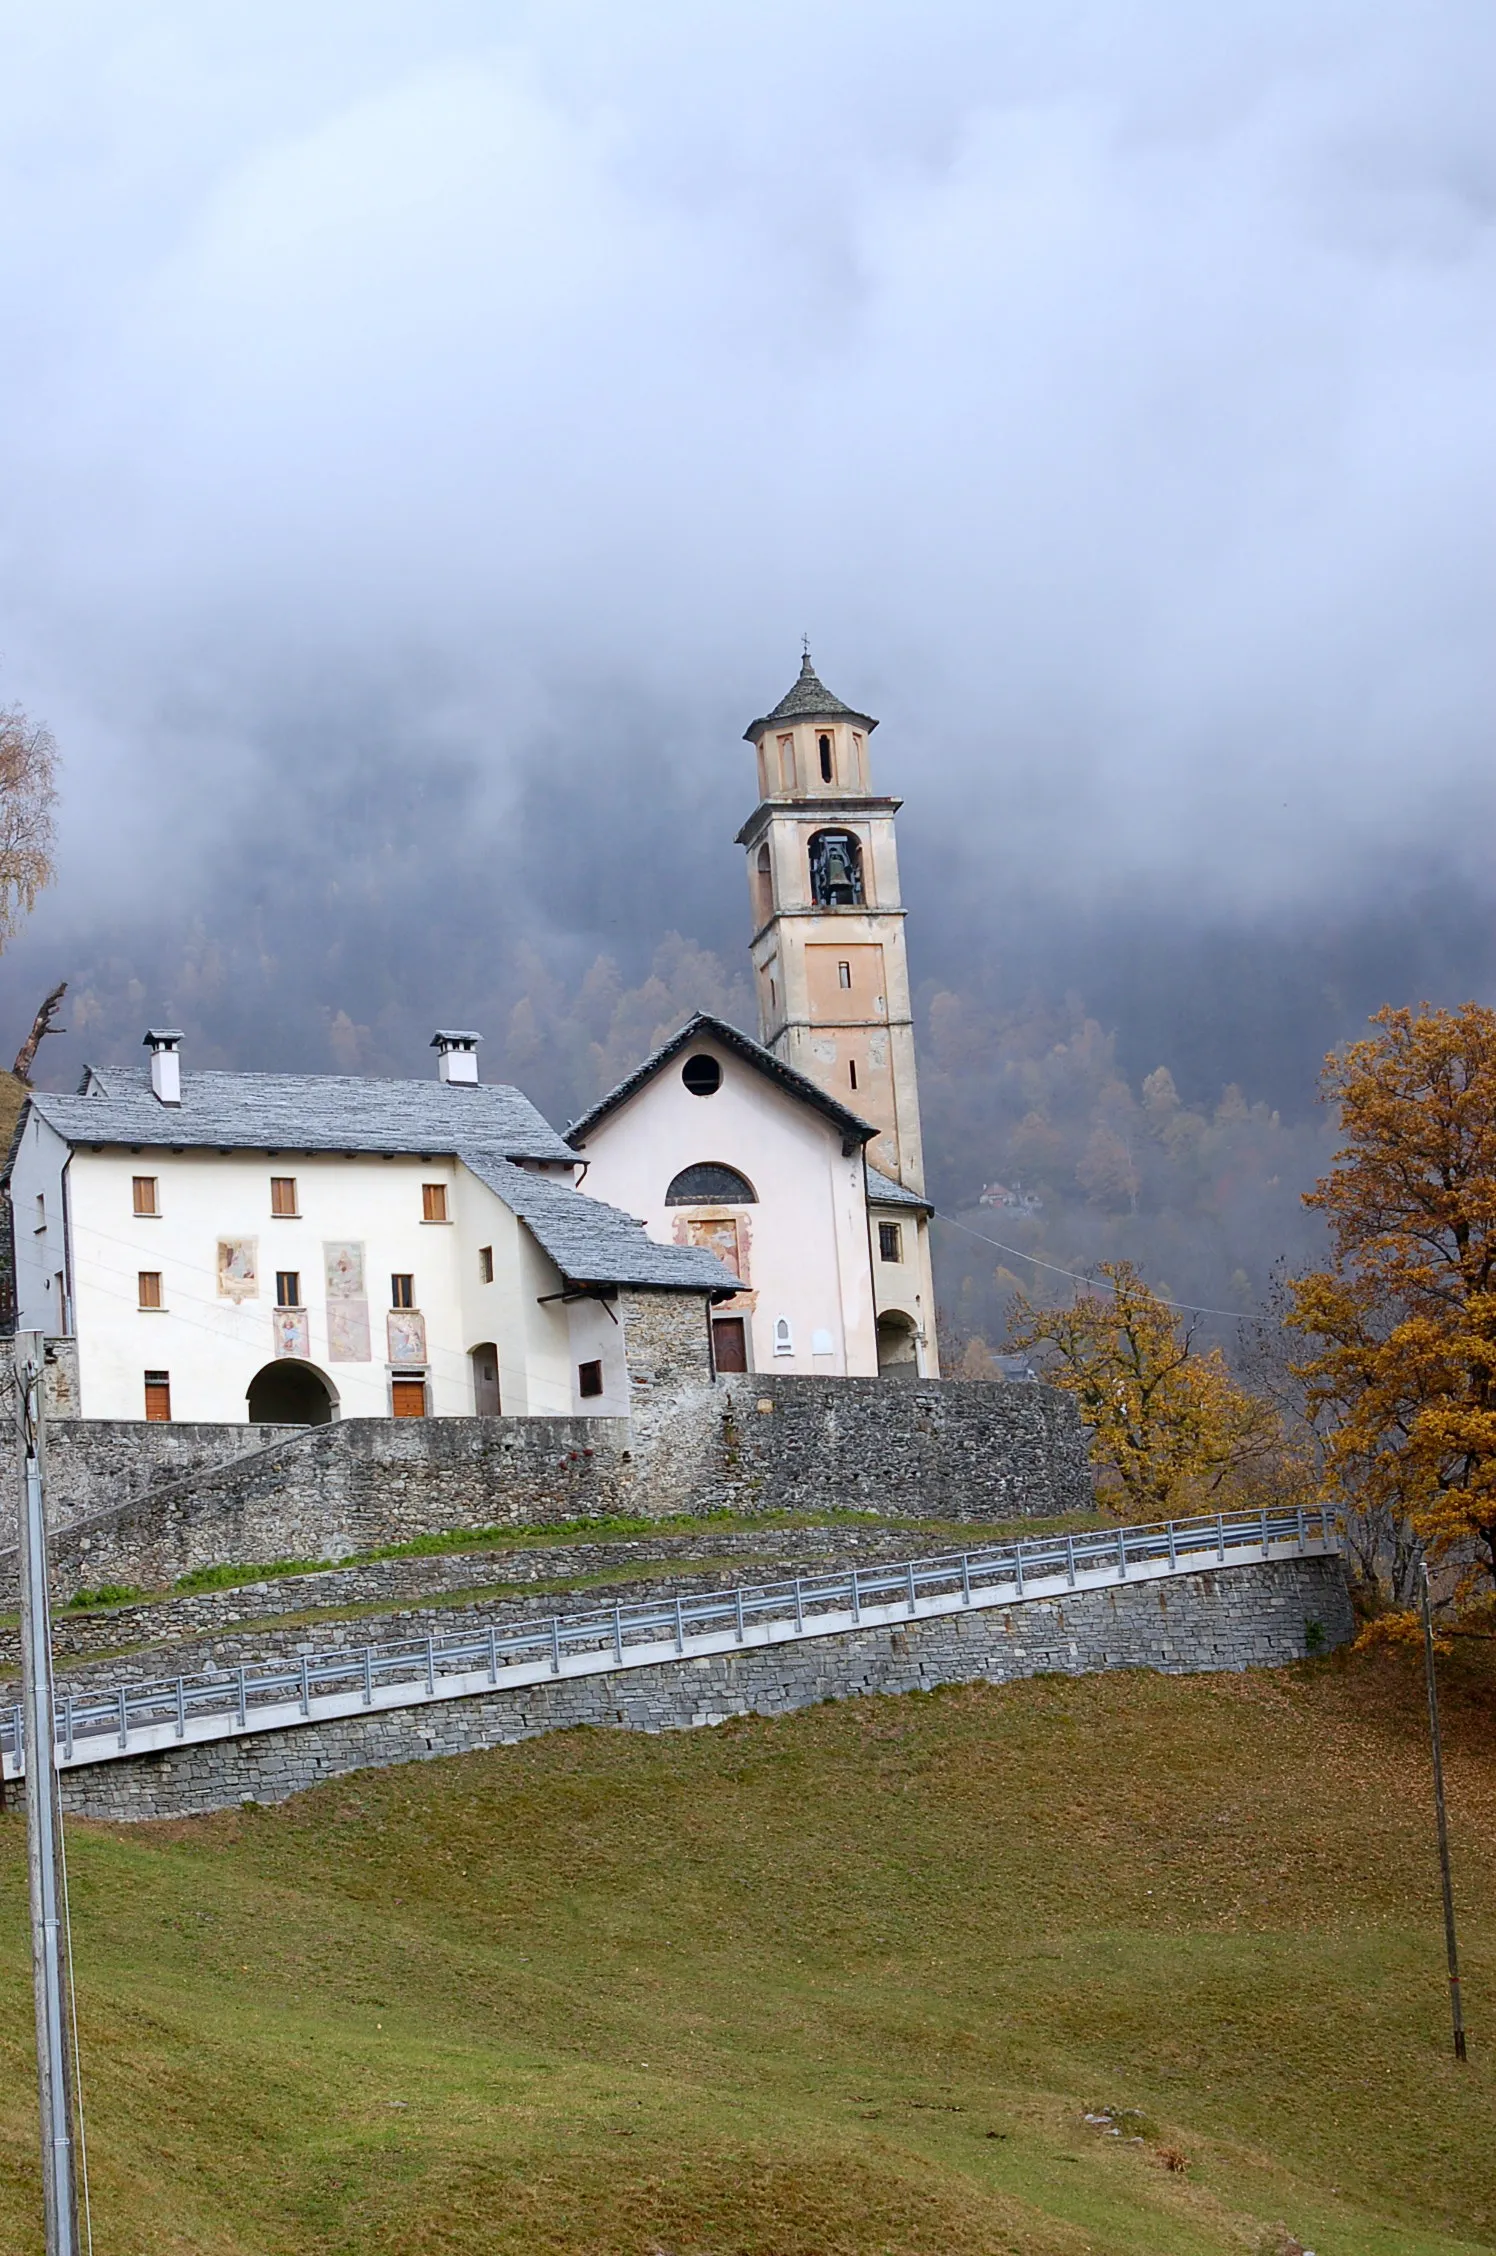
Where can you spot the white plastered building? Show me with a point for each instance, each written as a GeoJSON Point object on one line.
{"type": "Point", "coordinates": [722, 1146]}
{"type": "Point", "coordinates": [286, 1248]}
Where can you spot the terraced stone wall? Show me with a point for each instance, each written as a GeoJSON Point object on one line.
{"type": "Point", "coordinates": [1232, 1618]}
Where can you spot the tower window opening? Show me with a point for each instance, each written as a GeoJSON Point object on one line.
{"type": "Point", "coordinates": [825, 747]}
{"type": "Point", "coordinates": [852, 1071]}
{"type": "Point", "coordinates": [844, 975]}
{"type": "Point", "coordinates": [764, 881]}
{"type": "Point", "coordinates": [836, 870]}
{"type": "Point", "coordinates": [787, 763]}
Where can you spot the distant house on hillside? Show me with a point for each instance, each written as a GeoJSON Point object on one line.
{"type": "Point", "coordinates": [1012, 1196]}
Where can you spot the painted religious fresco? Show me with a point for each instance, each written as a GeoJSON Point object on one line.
{"type": "Point", "coordinates": [238, 1269]}
{"type": "Point", "coordinates": [292, 1331]}
{"type": "Point", "coordinates": [347, 1301]}
{"type": "Point", "coordinates": [406, 1332]}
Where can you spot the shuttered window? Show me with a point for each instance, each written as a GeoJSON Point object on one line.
{"type": "Point", "coordinates": [150, 1288]}
{"type": "Point", "coordinates": [589, 1379]}
{"type": "Point", "coordinates": [433, 1202]}
{"type": "Point", "coordinates": [283, 1194]}
{"type": "Point", "coordinates": [147, 1199]}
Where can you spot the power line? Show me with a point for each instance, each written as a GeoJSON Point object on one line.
{"type": "Point", "coordinates": [1239, 1315]}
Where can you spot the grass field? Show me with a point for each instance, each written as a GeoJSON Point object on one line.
{"type": "Point", "coordinates": [847, 1981]}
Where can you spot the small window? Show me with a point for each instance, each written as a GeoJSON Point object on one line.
{"type": "Point", "coordinates": [407, 1396]}
{"type": "Point", "coordinates": [844, 975]}
{"type": "Point", "coordinates": [852, 1071]}
{"type": "Point", "coordinates": [787, 762]}
{"type": "Point", "coordinates": [403, 1286]}
{"type": "Point", "coordinates": [288, 1288]}
{"type": "Point", "coordinates": [702, 1075]}
{"type": "Point", "coordinates": [147, 1199]}
{"type": "Point", "coordinates": [589, 1379]}
{"type": "Point", "coordinates": [485, 1264]}
{"type": "Point", "coordinates": [158, 1397]}
{"type": "Point", "coordinates": [150, 1288]}
{"type": "Point", "coordinates": [890, 1241]}
{"type": "Point", "coordinates": [283, 1195]}
{"type": "Point", "coordinates": [433, 1202]}
{"type": "Point", "coordinates": [784, 1339]}
{"type": "Point", "coordinates": [825, 749]}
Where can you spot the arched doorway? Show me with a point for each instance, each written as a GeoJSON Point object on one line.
{"type": "Point", "coordinates": [290, 1393]}
{"type": "Point", "coordinates": [487, 1400]}
{"type": "Point", "coordinates": [897, 1357]}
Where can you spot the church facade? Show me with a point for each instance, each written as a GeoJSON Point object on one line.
{"type": "Point", "coordinates": [807, 1178]}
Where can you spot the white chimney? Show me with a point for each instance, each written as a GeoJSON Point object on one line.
{"type": "Point", "coordinates": [166, 1065]}
{"type": "Point", "coordinates": [457, 1058]}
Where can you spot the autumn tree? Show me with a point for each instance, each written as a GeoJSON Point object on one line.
{"type": "Point", "coordinates": [1170, 1428]}
{"type": "Point", "coordinates": [1401, 1328]}
{"type": "Point", "coordinates": [28, 794]}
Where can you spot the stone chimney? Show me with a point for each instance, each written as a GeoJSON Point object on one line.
{"type": "Point", "coordinates": [166, 1066]}
{"type": "Point", "coordinates": [457, 1056]}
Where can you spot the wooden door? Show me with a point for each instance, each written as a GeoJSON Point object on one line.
{"type": "Point", "coordinates": [408, 1398]}
{"type": "Point", "coordinates": [486, 1381]}
{"type": "Point", "coordinates": [729, 1343]}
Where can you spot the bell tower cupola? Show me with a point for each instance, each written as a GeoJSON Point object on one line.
{"type": "Point", "coordinates": [828, 939]}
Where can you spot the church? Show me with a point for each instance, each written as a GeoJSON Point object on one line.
{"type": "Point", "coordinates": [797, 1159]}
{"type": "Point", "coordinates": [215, 1247]}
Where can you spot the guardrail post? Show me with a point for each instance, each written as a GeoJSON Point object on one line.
{"type": "Point", "coordinates": [1018, 1567]}
{"type": "Point", "coordinates": [1070, 1559]}
{"type": "Point", "coordinates": [181, 1708]}
{"type": "Point", "coordinates": [67, 1726]}
{"type": "Point", "coordinates": [1121, 1554]}
{"type": "Point", "coordinates": [555, 1644]}
{"type": "Point", "coordinates": [911, 1587]}
{"type": "Point", "coordinates": [618, 1636]}
{"type": "Point", "coordinates": [856, 1598]}
{"type": "Point", "coordinates": [966, 1578]}
{"type": "Point", "coordinates": [1264, 1534]}
{"type": "Point", "coordinates": [680, 1628]}
{"type": "Point", "coordinates": [368, 1676]}
{"type": "Point", "coordinates": [306, 1687]}
{"type": "Point", "coordinates": [243, 1697]}
{"type": "Point", "coordinates": [738, 1594]}
{"type": "Point", "coordinates": [1303, 1531]}
{"type": "Point", "coordinates": [1173, 1549]}
{"type": "Point", "coordinates": [17, 1737]}
{"type": "Point", "coordinates": [799, 1608]}
{"type": "Point", "coordinates": [1221, 1537]}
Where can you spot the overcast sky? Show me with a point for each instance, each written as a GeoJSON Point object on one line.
{"type": "Point", "coordinates": [496, 393]}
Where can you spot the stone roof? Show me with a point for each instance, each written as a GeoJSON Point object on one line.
{"type": "Point", "coordinates": [808, 699]}
{"type": "Point", "coordinates": [882, 1190]}
{"type": "Point", "coordinates": [593, 1243]}
{"type": "Point", "coordinates": [301, 1112]}
{"type": "Point", "coordinates": [854, 1131]}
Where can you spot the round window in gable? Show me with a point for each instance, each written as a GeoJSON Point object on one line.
{"type": "Point", "coordinates": [702, 1075]}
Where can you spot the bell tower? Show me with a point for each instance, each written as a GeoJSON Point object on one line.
{"type": "Point", "coordinates": [828, 921]}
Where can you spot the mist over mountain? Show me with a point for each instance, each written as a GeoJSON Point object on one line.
{"type": "Point", "coordinates": [425, 438]}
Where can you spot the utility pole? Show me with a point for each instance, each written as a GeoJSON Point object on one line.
{"type": "Point", "coordinates": [44, 1818]}
{"type": "Point", "coordinates": [1456, 2008]}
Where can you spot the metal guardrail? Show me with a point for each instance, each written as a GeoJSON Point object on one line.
{"type": "Point", "coordinates": [101, 1726]}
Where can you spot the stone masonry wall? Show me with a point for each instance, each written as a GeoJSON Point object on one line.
{"type": "Point", "coordinates": [955, 1449]}
{"type": "Point", "coordinates": [950, 1449]}
{"type": "Point", "coordinates": [1238, 1617]}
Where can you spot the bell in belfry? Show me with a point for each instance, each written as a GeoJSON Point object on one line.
{"type": "Point", "coordinates": [841, 876]}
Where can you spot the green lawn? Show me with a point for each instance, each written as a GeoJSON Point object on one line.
{"type": "Point", "coordinates": [848, 1981]}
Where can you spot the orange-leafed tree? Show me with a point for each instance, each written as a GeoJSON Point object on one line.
{"type": "Point", "coordinates": [1171, 1430]}
{"type": "Point", "coordinates": [1401, 1327]}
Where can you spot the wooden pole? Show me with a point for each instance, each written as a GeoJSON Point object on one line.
{"type": "Point", "coordinates": [44, 1820]}
{"type": "Point", "coordinates": [1456, 2006]}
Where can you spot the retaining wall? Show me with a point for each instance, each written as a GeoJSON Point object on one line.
{"type": "Point", "coordinates": [1231, 1618]}
{"type": "Point", "coordinates": [142, 1504]}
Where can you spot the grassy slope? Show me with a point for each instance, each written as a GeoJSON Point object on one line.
{"type": "Point", "coordinates": [841, 1982]}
